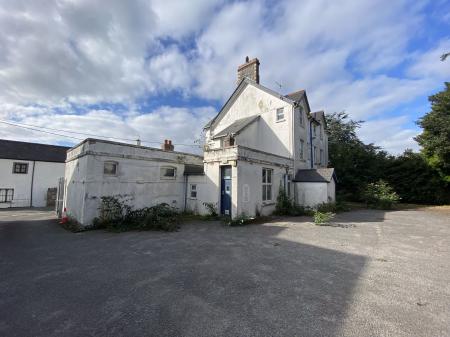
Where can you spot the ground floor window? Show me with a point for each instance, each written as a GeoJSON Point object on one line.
{"type": "Point", "coordinates": [6, 195]}
{"type": "Point", "coordinates": [193, 191]}
{"type": "Point", "coordinates": [267, 184]}
{"type": "Point", "coordinates": [168, 172]}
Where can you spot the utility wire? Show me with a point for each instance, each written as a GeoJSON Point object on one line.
{"type": "Point", "coordinates": [48, 132]}
{"type": "Point", "coordinates": [32, 127]}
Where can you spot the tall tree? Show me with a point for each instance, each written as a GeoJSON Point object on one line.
{"type": "Point", "coordinates": [356, 163]}
{"type": "Point", "coordinates": [435, 138]}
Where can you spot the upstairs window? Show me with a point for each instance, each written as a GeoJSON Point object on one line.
{"type": "Point", "coordinates": [280, 114]}
{"type": "Point", "coordinates": [20, 168]}
{"type": "Point", "coordinates": [193, 191]}
{"type": "Point", "coordinates": [110, 168]}
{"type": "Point", "coordinates": [267, 184]}
{"type": "Point", "coordinates": [314, 130]}
{"type": "Point", "coordinates": [6, 195]}
{"type": "Point", "coordinates": [321, 131]}
{"type": "Point", "coordinates": [168, 172]}
{"type": "Point", "coordinates": [302, 149]}
{"type": "Point", "coordinates": [301, 118]}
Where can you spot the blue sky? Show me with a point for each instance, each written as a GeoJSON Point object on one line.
{"type": "Point", "coordinates": [161, 69]}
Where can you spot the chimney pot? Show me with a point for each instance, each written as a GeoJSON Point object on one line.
{"type": "Point", "coordinates": [250, 69]}
{"type": "Point", "coordinates": [167, 146]}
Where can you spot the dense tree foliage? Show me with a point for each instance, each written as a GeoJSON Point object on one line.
{"type": "Point", "coordinates": [435, 138]}
{"type": "Point", "coordinates": [358, 164]}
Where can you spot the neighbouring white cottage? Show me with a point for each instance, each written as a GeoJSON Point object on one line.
{"type": "Point", "coordinates": [29, 173]}
{"type": "Point", "coordinates": [259, 143]}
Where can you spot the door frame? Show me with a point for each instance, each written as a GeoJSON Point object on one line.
{"type": "Point", "coordinates": [222, 185]}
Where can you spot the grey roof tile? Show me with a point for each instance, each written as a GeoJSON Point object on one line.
{"type": "Point", "coordinates": [315, 175]}
{"type": "Point", "coordinates": [237, 126]}
{"type": "Point", "coordinates": [10, 149]}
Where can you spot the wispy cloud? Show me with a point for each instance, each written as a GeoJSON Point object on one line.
{"type": "Point", "coordinates": [70, 63]}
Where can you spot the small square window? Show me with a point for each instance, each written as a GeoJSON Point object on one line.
{"type": "Point", "coordinates": [168, 172]}
{"type": "Point", "coordinates": [193, 191]}
{"type": "Point", "coordinates": [110, 168]}
{"type": "Point", "coordinates": [20, 168]}
{"type": "Point", "coordinates": [280, 114]}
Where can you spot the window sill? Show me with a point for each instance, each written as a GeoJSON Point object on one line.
{"type": "Point", "coordinates": [281, 120]}
{"type": "Point", "coordinates": [268, 203]}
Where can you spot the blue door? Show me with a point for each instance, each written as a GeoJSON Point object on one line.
{"type": "Point", "coordinates": [225, 190]}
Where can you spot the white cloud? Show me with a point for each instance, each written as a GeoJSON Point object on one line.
{"type": "Point", "coordinates": [392, 134]}
{"type": "Point", "coordinates": [57, 56]}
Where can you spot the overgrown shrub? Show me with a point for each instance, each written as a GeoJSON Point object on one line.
{"type": "Point", "coordinates": [286, 206]}
{"type": "Point", "coordinates": [212, 209]}
{"type": "Point", "coordinates": [116, 215]}
{"type": "Point", "coordinates": [380, 195]}
{"type": "Point", "coordinates": [321, 218]}
{"type": "Point", "coordinates": [241, 220]}
{"type": "Point", "coordinates": [333, 207]}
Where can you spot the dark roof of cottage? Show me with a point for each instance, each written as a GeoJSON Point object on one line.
{"type": "Point", "coordinates": [10, 149]}
{"type": "Point", "coordinates": [237, 126]}
{"type": "Point", "coordinates": [193, 170]}
{"type": "Point", "coordinates": [320, 175]}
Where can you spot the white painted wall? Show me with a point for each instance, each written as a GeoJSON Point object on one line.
{"type": "Point", "coordinates": [312, 194]}
{"type": "Point", "coordinates": [267, 134]}
{"type": "Point", "coordinates": [138, 179]}
{"type": "Point", "coordinates": [46, 175]}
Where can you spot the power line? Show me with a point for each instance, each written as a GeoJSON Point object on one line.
{"type": "Point", "coordinates": [48, 132]}
{"type": "Point", "coordinates": [32, 127]}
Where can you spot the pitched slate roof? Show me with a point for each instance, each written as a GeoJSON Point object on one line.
{"type": "Point", "coordinates": [237, 126]}
{"type": "Point", "coordinates": [320, 175]}
{"type": "Point", "coordinates": [193, 170]}
{"type": "Point", "coordinates": [296, 96]}
{"type": "Point", "coordinates": [10, 149]}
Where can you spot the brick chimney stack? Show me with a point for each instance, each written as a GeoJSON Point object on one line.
{"type": "Point", "coordinates": [249, 69]}
{"type": "Point", "coordinates": [167, 146]}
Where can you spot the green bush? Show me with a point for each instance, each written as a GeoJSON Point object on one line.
{"type": "Point", "coordinates": [116, 215]}
{"type": "Point", "coordinates": [333, 207]}
{"type": "Point", "coordinates": [212, 209]}
{"type": "Point", "coordinates": [380, 195]}
{"type": "Point", "coordinates": [321, 218]}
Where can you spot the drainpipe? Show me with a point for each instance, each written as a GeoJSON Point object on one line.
{"type": "Point", "coordinates": [310, 143]}
{"type": "Point", "coordinates": [32, 184]}
{"type": "Point", "coordinates": [185, 191]}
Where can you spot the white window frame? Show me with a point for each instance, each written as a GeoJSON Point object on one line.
{"type": "Point", "coordinates": [267, 184]}
{"type": "Point", "coordinates": [20, 164]}
{"type": "Point", "coordinates": [302, 149]}
{"type": "Point", "coordinates": [301, 117]}
{"type": "Point", "coordinates": [6, 195]}
{"type": "Point", "coordinates": [116, 165]}
{"type": "Point", "coordinates": [193, 190]}
{"type": "Point", "coordinates": [280, 114]}
{"type": "Point", "coordinates": [163, 176]}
